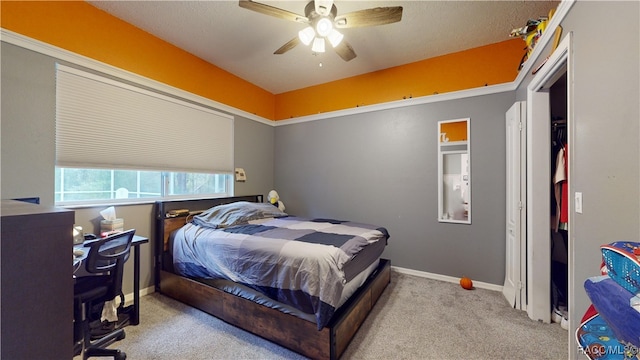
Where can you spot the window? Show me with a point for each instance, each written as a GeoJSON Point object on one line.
{"type": "Point", "coordinates": [73, 185]}
{"type": "Point", "coordinates": [115, 140]}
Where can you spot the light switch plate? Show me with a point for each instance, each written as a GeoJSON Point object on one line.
{"type": "Point", "coordinates": [579, 202]}
{"type": "Point", "coordinates": [241, 175]}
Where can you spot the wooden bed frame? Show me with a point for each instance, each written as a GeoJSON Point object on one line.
{"type": "Point", "coordinates": [287, 330]}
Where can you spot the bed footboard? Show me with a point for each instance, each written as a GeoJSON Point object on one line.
{"type": "Point", "coordinates": [284, 329]}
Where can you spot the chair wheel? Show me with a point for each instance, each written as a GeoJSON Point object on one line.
{"type": "Point", "coordinates": [121, 336]}
{"type": "Point", "coordinates": [77, 348]}
{"type": "Point", "coordinates": [121, 356]}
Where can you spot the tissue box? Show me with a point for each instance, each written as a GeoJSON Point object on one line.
{"type": "Point", "coordinates": [110, 226]}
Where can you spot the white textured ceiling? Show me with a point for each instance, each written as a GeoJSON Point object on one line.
{"type": "Point", "coordinates": [242, 42]}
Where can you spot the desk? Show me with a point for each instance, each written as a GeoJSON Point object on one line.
{"type": "Point", "coordinates": [133, 310]}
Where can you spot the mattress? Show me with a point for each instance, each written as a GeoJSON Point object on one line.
{"type": "Point", "coordinates": [307, 264]}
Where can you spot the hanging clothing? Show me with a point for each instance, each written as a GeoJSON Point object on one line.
{"type": "Point", "coordinates": [564, 209]}
{"type": "Point", "coordinates": [559, 179]}
{"type": "Point", "coordinates": [561, 189]}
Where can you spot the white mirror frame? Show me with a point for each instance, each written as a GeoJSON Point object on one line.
{"type": "Point", "coordinates": [454, 187]}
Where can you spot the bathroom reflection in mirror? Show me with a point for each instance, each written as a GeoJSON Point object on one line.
{"type": "Point", "coordinates": [454, 171]}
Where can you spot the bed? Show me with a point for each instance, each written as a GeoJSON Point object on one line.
{"type": "Point", "coordinates": [257, 295]}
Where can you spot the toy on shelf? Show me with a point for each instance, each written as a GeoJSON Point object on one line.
{"type": "Point", "coordinates": [531, 33]}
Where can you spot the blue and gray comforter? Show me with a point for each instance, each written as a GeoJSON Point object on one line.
{"type": "Point", "coordinates": [292, 260]}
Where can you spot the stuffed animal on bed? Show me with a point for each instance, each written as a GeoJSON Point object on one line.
{"type": "Point", "coordinates": [274, 199]}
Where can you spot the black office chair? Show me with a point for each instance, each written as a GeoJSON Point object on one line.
{"type": "Point", "coordinates": [105, 259]}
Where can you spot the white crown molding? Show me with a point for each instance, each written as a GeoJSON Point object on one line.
{"type": "Point", "coordinates": [65, 55]}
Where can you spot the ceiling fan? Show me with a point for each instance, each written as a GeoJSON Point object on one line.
{"type": "Point", "coordinates": [322, 19]}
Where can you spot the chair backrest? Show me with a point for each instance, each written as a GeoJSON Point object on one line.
{"type": "Point", "coordinates": [108, 255]}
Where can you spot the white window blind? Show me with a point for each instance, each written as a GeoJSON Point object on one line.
{"type": "Point", "coordinates": [102, 123]}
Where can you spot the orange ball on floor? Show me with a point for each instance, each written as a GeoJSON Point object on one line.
{"type": "Point", "coordinates": [466, 283]}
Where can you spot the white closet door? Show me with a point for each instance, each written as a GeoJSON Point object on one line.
{"type": "Point", "coordinates": [514, 283]}
{"type": "Point", "coordinates": [538, 204]}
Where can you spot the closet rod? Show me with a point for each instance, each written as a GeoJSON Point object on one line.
{"type": "Point", "coordinates": [561, 122]}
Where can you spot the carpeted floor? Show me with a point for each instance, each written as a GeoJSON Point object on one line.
{"type": "Point", "coordinates": [416, 318]}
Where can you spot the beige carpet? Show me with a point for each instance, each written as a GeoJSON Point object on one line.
{"type": "Point", "coordinates": [415, 318]}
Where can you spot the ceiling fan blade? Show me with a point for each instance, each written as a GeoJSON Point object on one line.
{"type": "Point", "coordinates": [272, 11]}
{"type": "Point", "coordinates": [288, 46]}
{"type": "Point", "coordinates": [323, 7]}
{"type": "Point", "coordinates": [345, 51]}
{"type": "Point", "coordinates": [369, 17]}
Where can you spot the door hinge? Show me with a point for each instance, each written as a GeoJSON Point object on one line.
{"type": "Point", "coordinates": [519, 285]}
{"type": "Point", "coordinates": [519, 205]}
{"type": "Point", "coordinates": [520, 125]}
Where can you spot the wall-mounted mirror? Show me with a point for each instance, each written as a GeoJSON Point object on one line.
{"type": "Point", "coordinates": [454, 171]}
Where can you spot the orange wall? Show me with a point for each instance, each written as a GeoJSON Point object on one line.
{"type": "Point", "coordinates": [83, 29]}
{"type": "Point", "coordinates": [486, 65]}
{"type": "Point", "coordinates": [456, 131]}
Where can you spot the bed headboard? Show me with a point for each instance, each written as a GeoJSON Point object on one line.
{"type": "Point", "coordinates": [194, 205]}
{"type": "Point", "coordinates": [166, 222]}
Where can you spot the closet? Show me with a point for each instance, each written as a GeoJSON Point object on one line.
{"type": "Point", "coordinates": [532, 128]}
{"type": "Point", "coordinates": [559, 238]}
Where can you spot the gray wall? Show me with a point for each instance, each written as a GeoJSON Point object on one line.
{"type": "Point", "coordinates": [381, 168]}
{"type": "Point", "coordinates": [27, 124]}
{"type": "Point", "coordinates": [28, 149]}
{"type": "Point", "coordinates": [254, 152]}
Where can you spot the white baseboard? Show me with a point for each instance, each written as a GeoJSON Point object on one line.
{"type": "Point", "coordinates": [451, 279]}
{"type": "Point", "coordinates": [128, 298]}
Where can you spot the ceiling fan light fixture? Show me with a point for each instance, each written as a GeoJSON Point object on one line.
{"type": "Point", "coordinates": [306, 35]}
{"type": "Point", "coordinates": [335, 37]}
{"type": "Point", "coordinates": [321, 17]}
{"type": "Point", "coordinates": [318, 45]}
{"type": "Point", "coordinates": [324, 27]}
